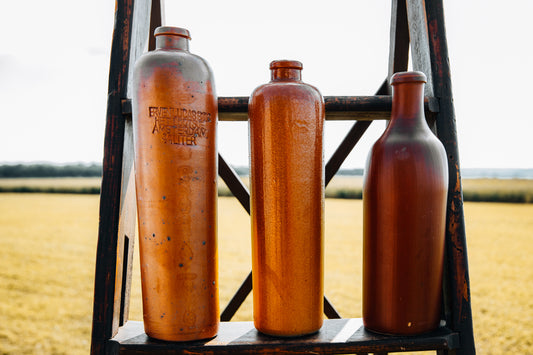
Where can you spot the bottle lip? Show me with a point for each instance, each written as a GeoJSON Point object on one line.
{"type": "Point", "coordinates": [408, 77]}
{"type": "Point", "coordinates": [172, 31]}
{"type": "Point", "coordinates": [288, 64]}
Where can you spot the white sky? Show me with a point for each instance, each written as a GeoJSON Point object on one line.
{"type": "Point", "coordinates": [54, 58]}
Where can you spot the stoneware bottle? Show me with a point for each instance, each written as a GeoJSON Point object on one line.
{"type": "Point", "coordinates": [404, 209]}
{"type": "Point", "coordinates": [287, 203]}
{"type": "Point", "coordinates": [174, 122]}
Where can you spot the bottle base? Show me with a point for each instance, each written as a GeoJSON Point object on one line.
{"type": "Point", "coordinates": [287, 334]}
{"type": "Point", "coordinates": [283, 335]}
{"type": "Point", "coordinates": [183, 336]}
{"type": "Point", "coordinates": [414, 331]}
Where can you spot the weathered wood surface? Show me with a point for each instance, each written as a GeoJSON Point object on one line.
{"type": "Point", "coordinates": [117, 206]}
{"type": "Point", "coordinates": [126, 230]}
{"type": "Point", "coordinates": [457, 281]}
{"type": "Point", "coordinates": [238, 298]}
{"type": "Point", "coordinates": [337, 336]}
{"type": "Point", "coordinates": [234, 183]}
{"type": "Point", "coordinates": [349, 108]}
{"type": "Point", "coordinates": [337, 108]}
{"type": "Point", "coordinates": [399, 40]}
{"type": "Point", "coordinates": [361, 108]}
{"type": "Point", "coordinates": [157, 16]}
{"type": "Point", "coordinates": [350, 140]}
{"type": "Point", "coordinates": [418, 34]}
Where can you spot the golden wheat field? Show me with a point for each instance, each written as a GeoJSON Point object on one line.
{"type": "Point", "coordinates": [48, 247]}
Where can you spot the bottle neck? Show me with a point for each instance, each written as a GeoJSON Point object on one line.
{"type": "Point", "coordinates": [408, 102]}
{"type": "Point", "coordinates": [286, 74]}
{"type": "Point", "coordinates": [172, 42]}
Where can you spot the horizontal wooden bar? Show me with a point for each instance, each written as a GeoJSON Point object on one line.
{"type": "Point", "coordinates": [360, 108]}
{"type": "Point", "coordinates": [337, 336]}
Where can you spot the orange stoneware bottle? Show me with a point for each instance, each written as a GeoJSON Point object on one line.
{"type": "Point", "coordinates": [404, 210]}
{"type": "Point", "coordinates": [174, 125]}
{"type": "Point", "coordinates": [287, 203]}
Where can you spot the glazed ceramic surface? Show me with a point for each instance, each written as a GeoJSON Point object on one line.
{"type": "Point", "coordinates": [287, 203]}
{"type": "Point", "coordinates": [175, 119]}
{"type": "Point", "coordinates": [404, 208]}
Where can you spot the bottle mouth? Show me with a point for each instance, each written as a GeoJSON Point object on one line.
{"type": "Point", "coordinates": [287, 64]}
{"type": "Point", "coordinates": [172, 31]}
{"type": "Point", "coordinates": [408, 77]}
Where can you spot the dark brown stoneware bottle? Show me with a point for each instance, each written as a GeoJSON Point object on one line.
{"type": "Point", "coordinates": [287, 203]}
{"type": "Point", "coordinates": [174, 123]}
{"type": "Point", "coordinates": [404, 209]}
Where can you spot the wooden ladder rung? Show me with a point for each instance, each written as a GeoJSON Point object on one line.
{"type": "Point", "coordinates": [360, 108]}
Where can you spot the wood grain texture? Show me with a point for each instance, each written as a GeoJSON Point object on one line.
{"type": "Point", "coordinates": [337, 336]}
{"type": "Point", "coordinates": [126, 229]}
{"type": "Point", "coordinates": [115, 192]}
{"type": "Point", "coordinates": [345, 108]}
{"type": "Point", "coordinates": [234, 183]}
{"type": "Point", "coordinates": [418, 34]}
{"type": "Point", "coordinates": [457, 282]}
{"type": "Point", "coordinates": [399, 40]}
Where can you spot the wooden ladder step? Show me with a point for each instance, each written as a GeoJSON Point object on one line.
{"type": "Point", "coordinates": [337, 336]}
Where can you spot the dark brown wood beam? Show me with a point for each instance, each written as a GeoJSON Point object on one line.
{"type": "Point", "coordinates": [399, 40]}
{"type": "Point", "coordinates": [349, 108]}
{"type": "Point", "coordinates": [457, 281]}
{"type": "Point", "coordinates": [116, 229]}
{"type": "Point", "coordinates": [156, 20]}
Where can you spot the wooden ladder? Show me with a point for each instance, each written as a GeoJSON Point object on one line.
{"type": "Point", "coordinates": [415, 24]}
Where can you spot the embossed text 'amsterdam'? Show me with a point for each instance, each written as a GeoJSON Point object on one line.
{"type": "Point", "coordinates": [179, 125]}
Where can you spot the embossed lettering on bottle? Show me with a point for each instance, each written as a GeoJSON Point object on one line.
{"type": "Point", "coordinates": [180, 125]}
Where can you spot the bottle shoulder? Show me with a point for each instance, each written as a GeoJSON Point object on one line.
{"type": "Point", "coordinates": [285, 89]}
{"type": "Point", "coordinates": [160, 57]}
{"type": "Point", "coordinates": [394, 143]}
{"type": "Point", "coordinates": [174, 61]}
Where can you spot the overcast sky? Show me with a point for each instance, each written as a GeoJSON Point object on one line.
{"type": "Point", "coordinates": [54, 58]}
